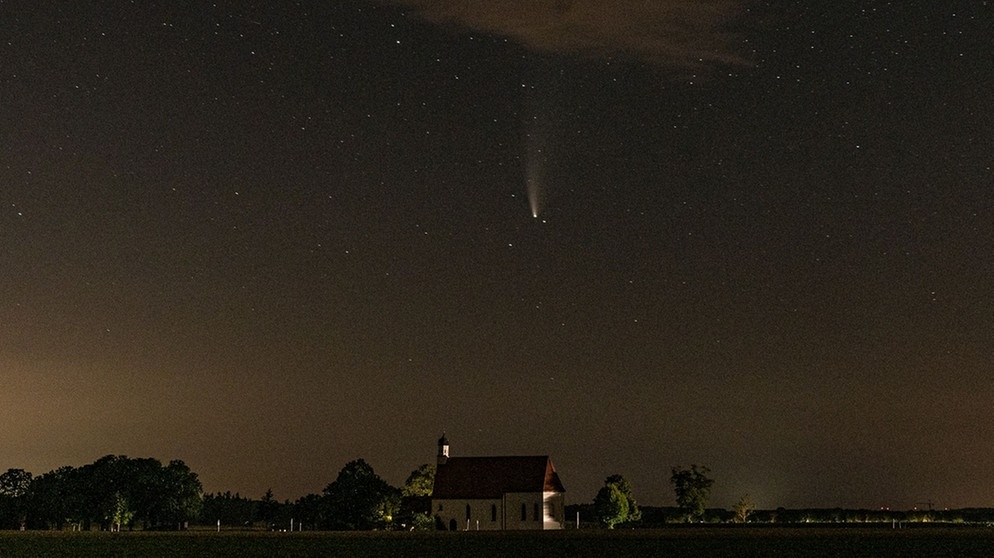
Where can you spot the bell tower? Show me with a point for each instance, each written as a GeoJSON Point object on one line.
{"type": "Point", "coordinates": [443, 450]}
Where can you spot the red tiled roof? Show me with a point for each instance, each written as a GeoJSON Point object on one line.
{"type": "Point", "coordinates": [492, 477]}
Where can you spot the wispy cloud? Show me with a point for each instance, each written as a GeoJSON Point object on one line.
{"type": "Point", "coordinates": [681, 34]}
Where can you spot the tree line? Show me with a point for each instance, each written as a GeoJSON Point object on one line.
{"type": "Point", "coordinates": [117, 492]}
{"type": "Point", "coordinates": [358, 499]}
{"type": "Point", "coordinates": [112, 492]}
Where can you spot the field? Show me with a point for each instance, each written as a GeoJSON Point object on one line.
{"type": "Point", "coordinates": [877, 542]}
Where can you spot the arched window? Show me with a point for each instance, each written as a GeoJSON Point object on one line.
{"type": "Point", "coordinates": [535, 513]}
{"type": "Point", "coordinates": [467, 511]}
{"type": "Point", "coordinates": [524, 511]}
{"type": "Point", "coordinates": [493, 512]}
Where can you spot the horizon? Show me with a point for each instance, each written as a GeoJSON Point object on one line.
{"type": "Point", "coordinates": [900, 506]}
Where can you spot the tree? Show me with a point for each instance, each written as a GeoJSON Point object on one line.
{"type": "Point", "coordinates": [101, 482]}
{"type": "Point", "coordinates": [268, 507]}
{"type": "Point", "coordinates": [693, 488]}
{"type": "Point", "coordinates": [228, 509]}
{"type": "Point", "coordinates": [57, 498]}
{"type": "Point", "coordinates": [615, 502]}
{"type": "Point", "coordinates": [358, 499]}
{"type": "Point", "coordinates": [310, 511]}
{"type": "Point", "coordinates": [15, 483]}
{"type": "Point", "coordinates": [742, 509]}
{"type": "Point", "coordinates": [611, 506]}
{"type": "Point", "coordinates": [625, 487]}
{"type": "Point", "coordinates": [14, 487]}
{"type": "Point", "coordinates": [146, 491]}
{"type": "Point", "coordinates": [420, 482]}
{"type": "Point", "coordinates": [122, 512]}
{"type": "Point", "coordinates": [185, 494]}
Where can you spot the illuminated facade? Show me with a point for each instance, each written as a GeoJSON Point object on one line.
{"type": "Point", "coordinates": [497, 493]}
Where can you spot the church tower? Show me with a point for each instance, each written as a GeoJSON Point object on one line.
{"type": "Point", "coordinates": [443, 450]}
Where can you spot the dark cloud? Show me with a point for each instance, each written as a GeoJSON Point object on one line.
{"type": "Point", "coordinates": [681, 34]}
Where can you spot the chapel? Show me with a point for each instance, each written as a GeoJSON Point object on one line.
{"type": "Point", "coordinates": [496, 493]}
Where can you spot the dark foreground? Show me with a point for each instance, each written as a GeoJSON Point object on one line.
{"type": "Point", "coordinates": [875, 541]}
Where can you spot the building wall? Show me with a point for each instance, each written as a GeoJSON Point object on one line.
{"type": "Point", "coordinates": [555, 511]}
{"type": "Point", "coordinates": [525, 511]}
{"type": "Point", "coordinates": [515, 511]}
{"type": "Point", "coordinates": [473, 514]}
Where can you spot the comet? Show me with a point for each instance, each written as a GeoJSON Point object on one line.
{"type": "Point", "coordinates": [535, 164]}
{"type": "Point", "coordinates": [534, 187]}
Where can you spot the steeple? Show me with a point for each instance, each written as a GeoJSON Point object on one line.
{"type": "Point", "coordinates": [443, 450]}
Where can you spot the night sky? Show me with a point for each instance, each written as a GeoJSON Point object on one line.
{"type": "Point", "coordinates": [270, 238]}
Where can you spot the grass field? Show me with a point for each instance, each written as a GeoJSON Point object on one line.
{"type": "Point", "coordinates": [878, 542]}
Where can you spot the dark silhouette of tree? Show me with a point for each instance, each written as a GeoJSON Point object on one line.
{"type": "Point", "coordinates": [310, 511]}
{"type": "Point", "coordinates": [56, 499]}
{"type": "Point", "coordinates": [268, 507]}
{"type": "Point", "coordinates": [184, 494]}
{"type": "Point", "coordinates": [147, 491]}
{"type": "Point", "coordinates": [104, 482]}
{"type": "Point", "coordinates": [112, 492]}
{"type": "Point", "coordinates": [693, 489]}
{"type": "Point", "coordinates": [14, 487]}
{"type": "Point", "coordinates": [230, 510]}
{"type": "Point", "coordinates": [358, 499]}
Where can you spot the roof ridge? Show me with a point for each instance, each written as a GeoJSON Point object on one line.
{"type": "Point", "coordinates": [499, 456]}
